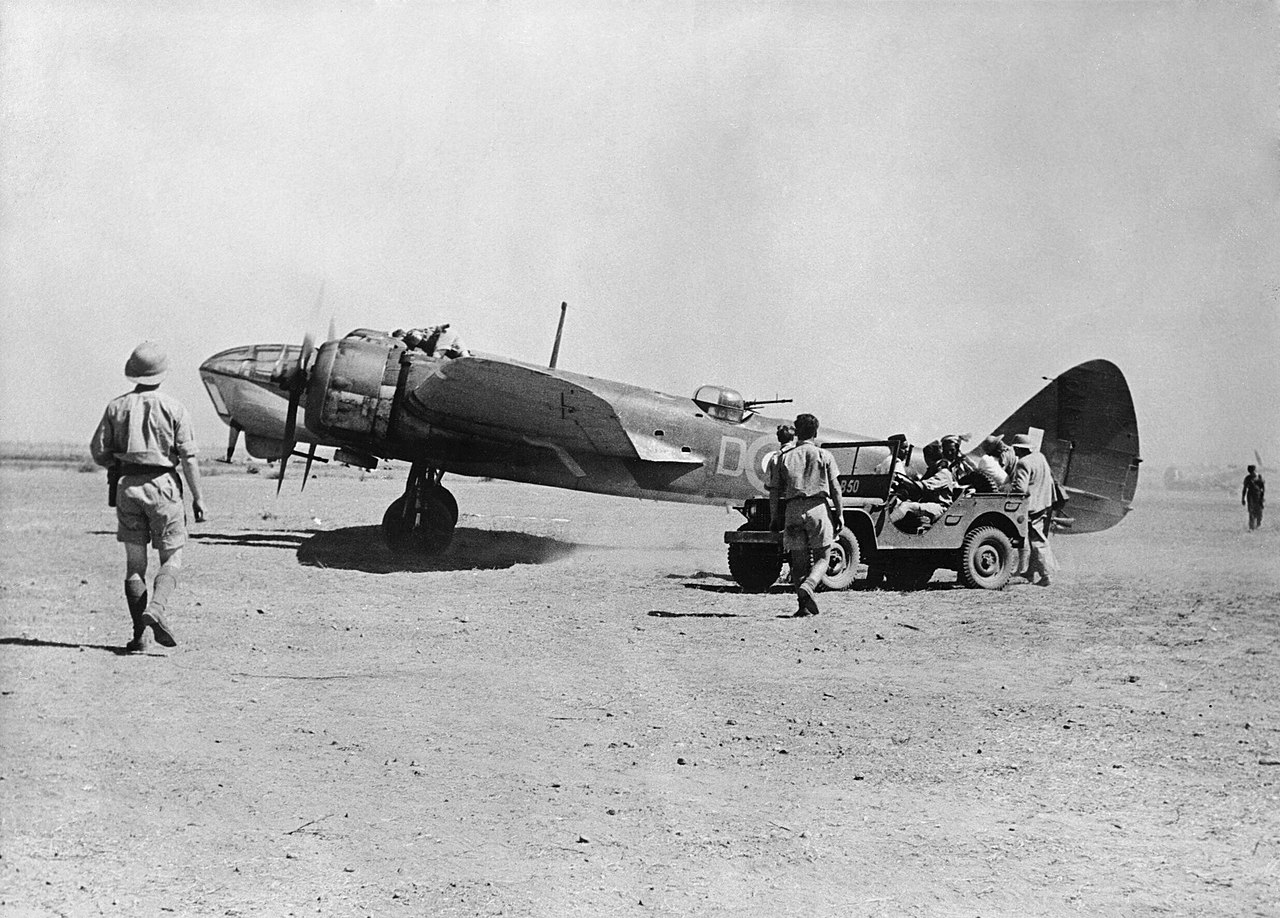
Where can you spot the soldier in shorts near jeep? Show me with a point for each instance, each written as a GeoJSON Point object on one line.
{"type": "Point", "coordinates": [143, 438]}
{"type": "Point", "coordinates": [804, 502]}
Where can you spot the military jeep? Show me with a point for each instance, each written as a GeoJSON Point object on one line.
{"type": "Point", "coordinates": [978, 536]}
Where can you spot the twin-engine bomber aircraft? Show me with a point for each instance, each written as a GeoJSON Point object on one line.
{"type": "Point", "coordinates": [375, 395]}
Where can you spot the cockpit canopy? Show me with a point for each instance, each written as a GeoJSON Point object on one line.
{"type": "Point", "coordinates": [721, 403]}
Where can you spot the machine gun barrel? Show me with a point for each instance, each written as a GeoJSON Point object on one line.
{"type": "Point", "coordinates": [756, 403]}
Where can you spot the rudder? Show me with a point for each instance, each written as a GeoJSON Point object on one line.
{"type": "Point", "coordinates": [1090, 439]}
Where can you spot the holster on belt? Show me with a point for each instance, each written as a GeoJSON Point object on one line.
{"type": "Point", "coordinates": [119, 470]}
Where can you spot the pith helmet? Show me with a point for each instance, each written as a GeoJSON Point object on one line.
{"type": "Point", "coordinates": [1022, 441]}
{"type": "Point", "coordinates": [148, 365]}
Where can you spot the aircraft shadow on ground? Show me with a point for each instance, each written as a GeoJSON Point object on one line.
{"type": "Point", "coordinates": [361, 548]}
{"type": "Point", "coordinates": [64, 645]}
{"type": "Point", "coordinates": [282, 538]}
{"type": "Point", "coordinates": [257, 538]}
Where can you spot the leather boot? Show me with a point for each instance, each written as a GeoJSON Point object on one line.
{"type": "Point", "coordinates": [135, 594]}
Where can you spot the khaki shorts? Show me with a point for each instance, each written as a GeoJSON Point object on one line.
{"type": "Point", "coordinates": [808, 525]}
{"type": "Point", "coordinates": [149, 508]}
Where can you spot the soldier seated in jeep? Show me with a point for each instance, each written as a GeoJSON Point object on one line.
{"type": "Point", "coordinates": [918, 503]}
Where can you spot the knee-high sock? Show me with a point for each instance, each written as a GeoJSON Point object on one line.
{"type": "Point", "coordinates": [820, 563]}
{"type": "Point", "coordinates": [162, 589]}
{"type": "Point", "coordinates": [799, 562]}
{"type": "Point", "coordinates": [135, 594]}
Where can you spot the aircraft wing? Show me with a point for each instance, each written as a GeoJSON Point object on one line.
{"type": "Point", "coordinates": [517, 402]}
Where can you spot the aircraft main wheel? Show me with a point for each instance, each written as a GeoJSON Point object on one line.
{"type": "Point", "coordinates": [398, 522]}
{"type": "Point", "coordinates": [450, 502]}
{"type": "Point", "coordinates": [427, 529]}
{"type": "Point", "coordinates": [755, 568]}
{"type": "Point", "coordinates": [986, 559]}
{"type": "Point", "coordinates": [842, 566]}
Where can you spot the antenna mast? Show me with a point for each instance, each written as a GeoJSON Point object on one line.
{"type": "Point", "coordinates": [555, 348]}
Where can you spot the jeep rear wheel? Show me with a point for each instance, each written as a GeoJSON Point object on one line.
{"type": "Point", "coordinates": [986, 559]}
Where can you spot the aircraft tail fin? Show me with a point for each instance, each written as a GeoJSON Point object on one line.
{"type": "Point", "coordinates": [1090, 439]}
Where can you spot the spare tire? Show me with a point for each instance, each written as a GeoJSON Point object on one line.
{"type": "Point", "coordinates": [842, 567]}
{"type": "Point", "coordinates": [983, 481]}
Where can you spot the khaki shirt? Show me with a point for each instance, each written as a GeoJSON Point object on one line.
{"type": "Point", "coordinates": [144, 428]}
{"type": "Point", "coordinates": [805, 470]}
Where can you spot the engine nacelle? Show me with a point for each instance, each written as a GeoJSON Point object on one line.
{"type": "Point", "coordinates": [352, 387]}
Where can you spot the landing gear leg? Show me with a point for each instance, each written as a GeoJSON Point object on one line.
{"type": "Point", "coordinates": [422, 520]}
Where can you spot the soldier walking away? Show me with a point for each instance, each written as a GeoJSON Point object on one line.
{"type": "Point", "coordinates": [1254, 496]}
{"type": "Point", "coordinates": [804, 501]}
{"type": "Point", "coordinates": [144, 437]}
{"type": "Point", "coordinates": [1032, 475]}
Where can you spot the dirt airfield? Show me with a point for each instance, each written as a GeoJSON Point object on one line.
{"type": "Point", "coordinates": [575, 712]}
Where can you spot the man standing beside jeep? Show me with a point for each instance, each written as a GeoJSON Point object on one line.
{"type": "Point", "coordinates": [1032, 476]}
{"type": "Point", "coordinates": [804, 501]}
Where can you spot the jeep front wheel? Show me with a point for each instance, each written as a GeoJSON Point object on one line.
{"type": "Point", "coordinates": [986, 559]}
{"type": "Point", "coordinates": [755, 567]}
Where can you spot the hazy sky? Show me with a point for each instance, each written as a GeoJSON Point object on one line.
{"type": "Point", "coordinates": [902, 216]}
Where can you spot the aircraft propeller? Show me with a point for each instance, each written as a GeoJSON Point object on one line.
{"type": "Point", "coordinates": [294, 382]}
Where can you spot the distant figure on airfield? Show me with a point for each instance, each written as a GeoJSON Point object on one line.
{"type": "Point", "coordinates": [142, 440]}
{"type": "Point", "coordinates": [1254, 496]}
{"type": "Point", "coordinates": [804, 501]}
{"type": "Point", "coordinates": [1032, 476]}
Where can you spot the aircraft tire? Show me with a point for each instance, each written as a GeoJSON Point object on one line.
{"type": "Point", "coordinates": [842, 567]}
{"type": "Point", "coordinates": [986, 559]}
{"type": "Point", "coordinates": [397, 528]}
{"type": "Point", "coordinates": [755, 568]}
{"type": "Point", "coordinates": [450, 502]}
{"type": "Point", "coordinates": [429, 532]}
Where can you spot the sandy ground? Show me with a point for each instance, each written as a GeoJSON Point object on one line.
{"type": "Point", "coordinates": [575, 712]}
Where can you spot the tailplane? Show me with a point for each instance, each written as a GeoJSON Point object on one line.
{"type": "Point", "coordinates": [1090, 439]}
